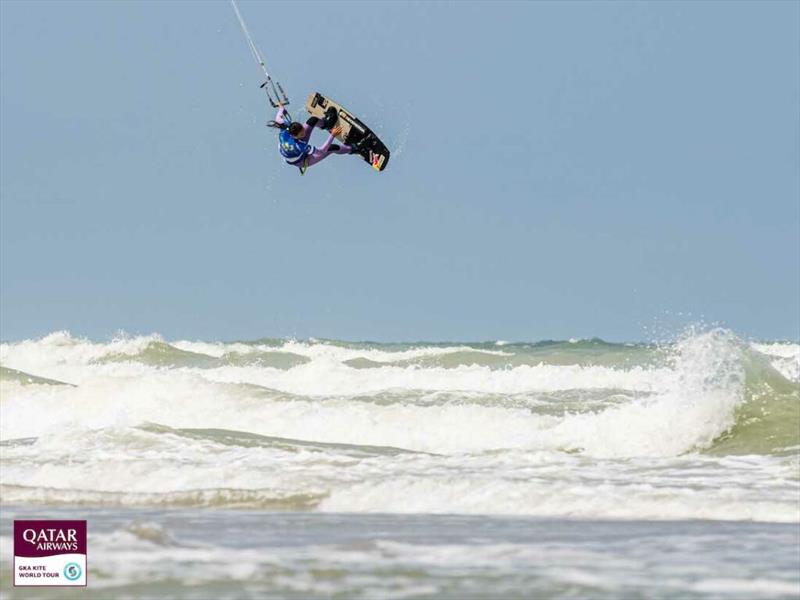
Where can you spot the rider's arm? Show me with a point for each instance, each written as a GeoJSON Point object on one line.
{"type": "Point", "coordinates": [280, 117]}
{"type": "Point", "coordinates": [327, 144]}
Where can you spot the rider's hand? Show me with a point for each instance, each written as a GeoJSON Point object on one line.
{"type": "Point", "coordinates": [336, 131]}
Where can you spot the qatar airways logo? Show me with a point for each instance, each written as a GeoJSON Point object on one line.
{"type": "Point", "coordinates": [62, 540]}
{"type": "Point", "coordinates": [49, 553]}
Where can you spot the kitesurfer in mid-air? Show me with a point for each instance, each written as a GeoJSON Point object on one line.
{"type": "Point", "coordinates": [293, 139]}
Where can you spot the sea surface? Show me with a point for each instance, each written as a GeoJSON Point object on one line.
{"type": "Point", "coordinates": [320, 468]}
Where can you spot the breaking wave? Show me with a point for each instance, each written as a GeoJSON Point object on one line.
{"type": "Point", "coordinates": [326, 425]}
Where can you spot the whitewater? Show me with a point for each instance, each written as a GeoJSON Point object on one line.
{"type": "Point", "coordinates": [422, 437]}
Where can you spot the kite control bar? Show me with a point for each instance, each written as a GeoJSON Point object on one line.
{"type": "Point", "coordinates": [274, 90]}
{"type": "Point", "coordinates": [276, 96]}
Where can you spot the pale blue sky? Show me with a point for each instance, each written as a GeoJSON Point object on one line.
{"type": "Point", "coordinates": [564, 170]}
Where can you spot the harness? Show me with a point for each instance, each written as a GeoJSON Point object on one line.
{"type": "Point", "coordinates": [295, 152]}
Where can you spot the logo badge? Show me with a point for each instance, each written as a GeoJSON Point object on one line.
{"type": "Point", "coordinates": [49, 553]}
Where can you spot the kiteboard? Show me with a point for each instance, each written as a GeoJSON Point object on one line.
{"type": "Point", "coordinates": [372, 150]}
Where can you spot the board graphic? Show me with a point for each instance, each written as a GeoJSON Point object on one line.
{"type": "Point", "coordinates": [371, 149]}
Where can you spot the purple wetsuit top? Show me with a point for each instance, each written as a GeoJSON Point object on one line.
{"type": "Point", "coordinates": [316, 154]}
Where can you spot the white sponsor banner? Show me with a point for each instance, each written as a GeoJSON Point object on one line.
{"type": "Point", "coordinates": [62, 569]}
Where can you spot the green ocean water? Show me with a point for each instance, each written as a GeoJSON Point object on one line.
{"type": "Point", "coordinates": [323, 468]}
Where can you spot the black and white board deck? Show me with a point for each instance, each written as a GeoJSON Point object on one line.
{"type": "Point", "coordinates": [374, 151]}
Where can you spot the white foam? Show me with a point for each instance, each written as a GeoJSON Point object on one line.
{"type": "Point", "coordinates": [134, 467]}
{"type": "Point", "coordinates": [624, 499]}
{"type": "Point", "coordinates": [690, 406]}
{"type": "Point", "coordinates": [60, 348]}
{"type": "Point", "coordinates": [784, 357]}
{"type": "Point", "coordinates": [491, 457]}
